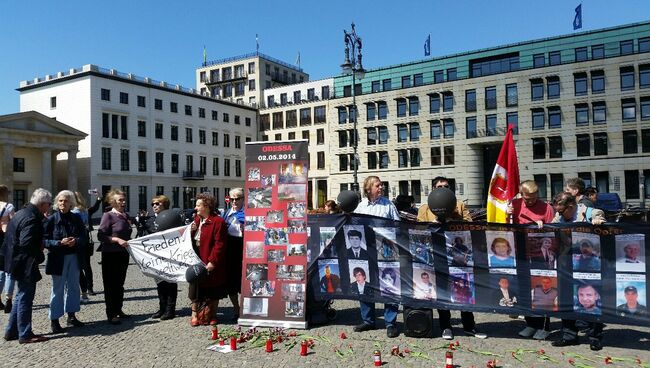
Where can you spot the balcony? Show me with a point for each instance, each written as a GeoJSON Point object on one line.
{"type": "Point", "coordinates": [227, 79]}
{"type": "Point", "coordinates": [193, 175]}
{"type": "Point", "coordinates": [482, 133]}
{"type": "Point", "coordinates": [281, 78]}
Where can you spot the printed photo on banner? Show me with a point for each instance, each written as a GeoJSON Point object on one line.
{"type": "Point", "coordinates": [327, 248]}
{"type": "Point", "coordinates": [420, 246]}
{"type": "Point", "coordinates": [294, 309]}
{"type": "Point", "coordinates": [387, 249]}
{"type": "Point", "coordinates": [267, 180]}
{"type": "Point", "coordinates": [459, 248]}
{"type": "Point", "coordinates": [296, 209]}
{"type": "Point", "coordinates": [542, 250]}
{"type": "Point", "coordinates": [297, 226]}
{"type": "Point", "coordinates": [260, 197]}
{"type": "Point", "coordinates": [389, 279]}
{"type": "Point", "coordinates": [355, 242]}
{"type": "Point", "coordinates": [630, 253]}
{"type": "Point", "coordinates": [275, 256]}
{"type": "Point", "coordinates": [257, 271]}
{"type": "Point", "coordinates": [256, 306]}
{"type": "Point", "coordinates": [586, 296]}
{"type": "Point", "coordinates": [292, 192]}
{"type": "Point", "coordinates": [544, 291]}
{"type": "Point", "coordinates": [501, 248]}
{"type": "Point", "coordinates": [255, 223]}
{"type": "Point", "coordinates": [330, 277]}
{"type": "Point", "coordinates": [359, 277]}
{"type": "Point", "coordinates": [276, 236]}
{"type": "Point", "coordinates": [253, 174]}
{"type": "Point", "coordinates": [586, 252]}
{"type": "Point", "coordinates": [461, 285]}
{"type": "Point", "coordinates": [631, 295]}
{"type": "Point", "coordinates": [262, 288]}
{"type": "Point", "coordinates": [505, 286]}
{"type": "Point", "coordinates": [293, 292]}
{"type": "Point", "coordinates": [297, 250]}
{"type": "Point", "coordinates": [275, 216]}
{"type": "Point", "coordinates": [290, 272]}
{"type": "Point", "coordinates": [424, 282]}
{"type": "Point", "coordinates": [254, 249]}
{"type": "Point", "coordinates": [293, 173]}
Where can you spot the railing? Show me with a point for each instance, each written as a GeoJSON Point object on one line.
{"type": "Point", "coordinates": [481, 133]}
{"type": "Point", "coordinates": [228, 78]}
{"type": "Point", "coordinates": [193, 175]}
{"type": "Point", "coordinates": [248, 56]}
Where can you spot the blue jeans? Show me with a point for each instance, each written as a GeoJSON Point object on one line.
{"type": "Point", "coordinates": [368, 313]}
{"type": "Point", "coordinates": [7, 284]}
{"type": "Point", "coordinates": [20, 319]}
{"type": "Point", "coordinates": [65, 284]}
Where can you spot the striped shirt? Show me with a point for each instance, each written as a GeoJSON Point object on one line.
{"type": "Point", "coordinates": [381, 207]}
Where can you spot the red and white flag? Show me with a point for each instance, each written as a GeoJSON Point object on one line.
{"type": "Point", "coordinates": [504, 184]}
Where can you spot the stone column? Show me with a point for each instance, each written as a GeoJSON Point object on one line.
{"type": "Point", "coordinates": [7, 177]}
{"type": "Point", "coordinates": [46, 170]}
{"type": "Point", "coordinates": [72, 169]}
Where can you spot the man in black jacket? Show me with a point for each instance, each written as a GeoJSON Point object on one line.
{"type": "Point", "coordinates": [26, 240]}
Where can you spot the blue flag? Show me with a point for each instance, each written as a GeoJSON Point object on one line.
{"type": "Point", "coordinates": [577, 21]}
{"type": "Point", "coordinates": [427, 46]}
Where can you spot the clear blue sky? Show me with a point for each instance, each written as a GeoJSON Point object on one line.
{"type": "Point", "coordinates": [164, 39]}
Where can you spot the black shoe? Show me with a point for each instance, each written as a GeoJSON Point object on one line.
{"type": "Point", "coordinates": [32, 339]}
{"type": "Point", "coordinates": [169, 314]}
{"type": "Point", "coordinates": [8, 306]}
{"type": "Point", "coordinates": [10, 337]}
{"type": "Point", "coordinates": [123, 315]}
{"type": "Point", "coordinates": [114, 321]}
{"type": "Point", "coordinates": [74, 322]}
{"type": "Point", "coordinates": [363, 327]}
{"type": "Point", "coordinates": [563, 342]}
{"type": "Point", "coordinates": [157, 314]}
{"type": "Point", "coordinates": [56, 326]}
{"type": "Point", "coordinates": [392, 332]}
{"type": "Point", "coordinates": [2, 306]}
{"type": "Point", "coordinates": [91, 292]}
{"type": "Point", "coordinates": [595, 345]}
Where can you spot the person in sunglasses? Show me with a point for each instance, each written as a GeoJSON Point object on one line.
{"type": "Point", "coordinates": [235, 220]}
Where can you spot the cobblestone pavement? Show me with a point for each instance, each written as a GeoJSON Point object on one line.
{"type": "Point", "coordinates": [144, 342]}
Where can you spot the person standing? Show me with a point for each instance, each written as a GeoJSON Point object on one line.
{"type": "Point", "coordinates": [235, 221]}
{"type": "Point", "coordinates": [26, 240]}
{"type": "Point", "coordinates": [576, 187]}
{"type": "Point", "coordinates": [85, 268]}
{"type": "Point", "coordinates": [66, 240]}
{"type": "Point", "coordinates": [374, 203]}
{"type": "Point", "coordinates": [114, 233]}
{"type": "Point", "coordinates": [7, 285]}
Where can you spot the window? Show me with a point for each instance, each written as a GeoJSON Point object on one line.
{"type": "Point", "coordinates": [238, 141]}
{"type": "Point", "coordinates": [343, 115]}
{"type": "Point", "coordinates": [106, 94]}
{"type": "Point", "coordinates": [490, 98]}
{"type": "Point", "coordinates": [583, 145]}
{"type": "Point", "coordinates": [553, 87]}
{"type": "Point", "coordinates": [386, 85]}
{"type": "Point", "coordinates": [406, 81]}
{"type": "Point", "coordinates": [320, 136]}
{"type": "Point", "coordinates": [174, 133]}
{"type": "Point", "coordinates": [448, 102]}
{"type": "Point", "coordinates": [599, 112]}
{"type": "Point", "coordinates": [215, 166]}
{"type": "Point", "coordinates": [434, 103]}
{"type": "Point", "coordinates": [645, 108]}
{"type": "Point", "coordinates": [581, 54]}
{"type": "Point", "coordinates": [142, 161]}
{"type": "Point", "coordinates": [343, 138]}
{"type": "Point", "coordinates": [142, 128]}
{"type": "Point", "coordinates": [490, 125]}
{"type": "Point", "coordinates": [201, 136]}
{"type": "Point", "coordinates": [540, 180]}
{"type": "Point", "coordinates": [597, 52]}
{"type": "Point", "coordinates": [296, 97]}
{"type": "Point", "coordinates": [512, 119]}
{"type": "Point", "coordinates": [160, 167]}
{"type": "Point", "coordinates": [438, 76]}
{"type": "Point", "coordinates": [554, 117]}
{"type": "Point", "coordinates": [586, 177]}
{"type": "Point", "coordinates": [278, 123]}
{"type": "Point", "coordinates": [416, 157]}
{"type": "Point", "coordinates": [188, 135]}
{"type": "Point", "coordinates": [557, 184]}
{"type": "Point", "coordinates": [536, 89]}
{"type": "Point", "coordinates": [106, 158]}
{"type": "Point", "coordinates": [597, 81]}
{"type": "Point", "coordinates": [173, 107]}
{"type": "Point", "coordinates": [124, 160]}
{"type": "Point", "coordinates": [292, 135]}
{"type": "Point", "coordinates": [347, 91]}
{"type": "Point", "coordinates": [554, 58]}
{"type": "Point", "coordinates": [160, 190]}
{"type": "Point", "coordinates": [157, 104]}
{"type": "Point", "coordinates": [414, 132]}
{"type": "Point", "coordinates": [449, 155]}
{"type": "Point", "coordinates": [125, 130]}
{"type": "Point", "coordinates": [371, 136]}
{"type": "Point", "coordinates": [470, 127]}
{"type": "Point", "coordinates": [106, 125]}
{"type": "Point", "coordinates": [320, 160]}
{"type": "Point", "coordinates": [512, 98]}
{"type": "Point", "coordinates": [418, 80]}
{"type": "Point", "coordinates": [325, 92]}
{"type": "Point", "coordinates": [383, 159]}
{"type": "Point", "coordinates": [645, 140]}
{"type": "Point", "coordinates": [631, 184]}
{"type": "Point", "coordinates": [310, 94]}
{"type": "Point", "coordinates": [305, 117]}
{"type": "Point", "coordinates": [470, 100]}
{"type": "Point", "coordinates": [630, 141]}
{"type": "Point", "coordinates": [436, 156]}
{"type": "Point", "coordinates": [401, 107]}
{"type": "Point", "coordinates": [644, 44]}
{"type": "Point", "coordinates": [435, 129]}
{"type": "Point", "coordinates": [202, 112]}
{"type": "Point", "coordinates": [538, 119]}
{"type": "Point", "coordinates": [226, 117]}
{"type": "Point", "coordinates": [215, 115]}
{"type": "Point", "coordinates": [628, 107]}
{"type": "Point", "coordinates": [19, 164]}
{"type": "Point", "coordinates": [371, 110]}
{"type": "Point", "coordinates": [449, 128]}
{"type": "Point", "coordinates": [402, 158]}
{"type": "Point", "coordinates": [627, 78]}
{"type": "Point", "coordinates": [582, 114]}
{"type": "Point", "coordinates": [538, 61]}
{"type": "Point", "coordinates": [247, 121]}
{"type": "Point", "coordinates": [114, 126]}
{"type": "Point", "coordinates": [382, 110]}
{"type": "Point", "coordinates": [226, 140]}
{"type": "Point", "coordinates": [374, 86]}
{"type": "Point", "coordinates": [226, 167]}
{"type": "Point", "coordinates": [539, 148]}
{"type": "Point", "coordinates": [554, 147]}
{"type": "Point", "coordinates": [174, 163]}
{"type": "Point", "coordinates": [492, 65]}
{"type": "Point", "coordinates": [141, 101]}
{"type": "Point", "coordinates": [202, 165]}
{"type": "Point", "coordinates": [452, 75]}
{"type": "Point", "coordinates": [414, 106]}
{"type": "Point", "coordinates": [292, 118]}
{"type": "Point", "coordinates": [627, 47]}
{"type": "Point", "coordinates": [600, 144]}
{"type": "Point", "coordinates": [402, 133]}
{"type": "Point", "coordinates": [644, 76]}
{"type": "Point", "coordinates": [372, 160]}
{"type": "Point", "coordinates": [343, 162]}
{"type": "Point", "coordinates": [53, 102]}
{"type": "Point", "coordinates": [383, 134]}
{"type": "Point", "coordinates": [580, 84]}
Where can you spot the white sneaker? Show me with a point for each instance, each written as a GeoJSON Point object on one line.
{"type": "Point", "coordinates": [447, 334]}
{"type": "Point", "coordinates": [527, 332]}
{"type": "Point", "coordinates": [541, 334]}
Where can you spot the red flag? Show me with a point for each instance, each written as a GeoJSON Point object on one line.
{"type": "Point", "coordinates": [504, 184]}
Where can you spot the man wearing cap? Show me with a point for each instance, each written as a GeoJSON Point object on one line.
{"type": "Point", "coordinates": [631, 305]}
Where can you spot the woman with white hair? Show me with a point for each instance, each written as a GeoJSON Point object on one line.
{"type": "Point", "coordinates": [66, 239]}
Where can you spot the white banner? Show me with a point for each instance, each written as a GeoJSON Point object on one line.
{"type": "Point", "coordinates": [165, 255]}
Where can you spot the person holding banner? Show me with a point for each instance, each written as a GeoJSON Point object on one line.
{"type": "Point", "coordinates": [235, 221]}
{"type": "Point", "coordinates": [209, 232]}
{"type": "Point", "coordinates": [376, 204]}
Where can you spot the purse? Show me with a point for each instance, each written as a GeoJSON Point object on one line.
{"type": "Point", "coordinates": [205, 312]}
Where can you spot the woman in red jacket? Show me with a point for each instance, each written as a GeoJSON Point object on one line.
{"type": "Point", "coordinates": [209, 232]}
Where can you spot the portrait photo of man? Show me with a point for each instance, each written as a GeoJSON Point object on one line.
{"type": "Point", "coordinates": [585, 258]}
{"type": "Point", "coordinates": [360, 285]}
{"type": "Point", "coordinates": [588, 299]}
{"type": "Point", "coordinates": [545, 295]}
{"type": "Point", "coordinates": [506, 296]}
{"type": "Point", "coordinates": [632, 259]}
{"type": "Point", "coordinates": [631, 307]}
{"type": "Point", "coordinates": [356, 246]}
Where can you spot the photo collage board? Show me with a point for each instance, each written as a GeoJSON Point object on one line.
{"type": "Point", "coordinates": [275, 235]}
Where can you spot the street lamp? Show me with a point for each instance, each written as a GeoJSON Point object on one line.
{"type": "Point", "coordinates": [352, 65]}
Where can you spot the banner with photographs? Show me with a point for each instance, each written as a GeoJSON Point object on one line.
{"type": "Point", "coordinates": [576, 271]}
{"type": "Point", "coordinates": [275, 235]}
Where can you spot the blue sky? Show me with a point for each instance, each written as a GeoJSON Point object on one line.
{"type": "Point", "coordinates": [164, 39]}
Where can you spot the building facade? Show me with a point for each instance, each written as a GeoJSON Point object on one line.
{"type": "Point", "coordinates": [146, 137]}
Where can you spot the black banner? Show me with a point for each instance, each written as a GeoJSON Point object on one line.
{"type": "Point", "coordinates": [576, 271]}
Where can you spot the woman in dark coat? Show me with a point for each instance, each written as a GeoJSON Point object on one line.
{"type": "Point", "coordinates": [235, 220]}
{"type": "Point", "coordinates": [209, 233]}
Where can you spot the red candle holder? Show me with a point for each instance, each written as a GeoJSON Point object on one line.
{"type": "Point", "coordinates": [233, 343]}
{"type": "Point", "coordinates": [303, 348]}
{"type": "Point", "coordinates": [269, 345]}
